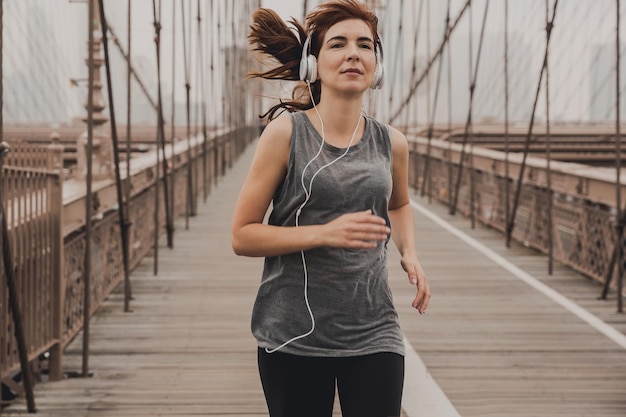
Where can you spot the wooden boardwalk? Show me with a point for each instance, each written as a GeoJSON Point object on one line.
{"type": "Point", "coordinates": [494, 344]}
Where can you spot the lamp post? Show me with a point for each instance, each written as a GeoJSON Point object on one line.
{"type": "Point", "coordinates": [102, 152]}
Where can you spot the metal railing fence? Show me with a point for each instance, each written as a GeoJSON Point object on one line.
{"type": "Point", "coordinates": [48, 257]}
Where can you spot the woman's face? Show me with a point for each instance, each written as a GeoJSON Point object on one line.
{"type": "Point", "coordinates": [347, 58]}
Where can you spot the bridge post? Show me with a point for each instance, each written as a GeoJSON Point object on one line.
{"type": "Point", "coordinates": [55, 154]}
{"type": "Point", "coordinates": [55, 193]}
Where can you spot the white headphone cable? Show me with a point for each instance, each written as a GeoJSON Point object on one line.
{"type": "Point", "coordinates": [306, 200]}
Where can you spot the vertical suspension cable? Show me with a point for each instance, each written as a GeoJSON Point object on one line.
{"type": "Point", "coordinates": [620, 215]}
{"type": "Point", "coordinates": [224, 54]}
{"type": "Point", "coordinates": [193, 43]}
{"type": "Point", "coordinates": [407, 114]}
{"type": "Point", "coordinates": [189, 193]}
{"type": "Point", "coordinates": [196, 71]}
{"type": "Point", "coordinates": [208, 50]}
{"type": "Point", "coordinates": [1, 75]}
{"type": "Point", "coordinates": [470, 130]}
{"type": "Point", "coordinates": [126, 206]}
{"type": "Point", "coordinates": [428, 18]}
{"type": "Point", "coordinates": [173, 169]}
{"type": "Point", "coordinates": [193, 202]}
{"type": "Point", "coordinates": [161, 140]}
{"type": "Point", "coordinates": [397, 65]}
{"type": "Point", "coordinates": [169, 223]}
{"type": "Point", "coordinates": [450, 164]}
{"type": "Point", "coordinates": [507, 181]}
{"type": "Point", "coordinates": [619, 241]}
{"type": "Point", "coordinates": [228, 115]}
{"type": "Point", "coordinates": [243, 137]}
{"type": "Point", "coordinates": [202, 103]}
{"type": "Point", "coordinates": [416, 98]}
{"type": "Point", "coordinates": [88, 196]}
{"type": "Point", "coordinates": [304, 9]}
{"type": "Point", "coordinates": [157, 168]}
{"type": "Point", "coordinates": [415, 28]}
{"type": "Point", "coordinates": [208, 33]}
{"type": "Point", "coordinates": [548, 156]}
{"type": "Point", "coordinates": [233, 83]}
{"type": "Point", "coordinates": [215, 20]}
{"type": "Point", "coordinates": [221, 137]}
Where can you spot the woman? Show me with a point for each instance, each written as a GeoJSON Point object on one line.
{"type": "Point", "coordinates": [337, 180]}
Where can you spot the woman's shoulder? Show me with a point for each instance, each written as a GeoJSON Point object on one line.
{"type": "Point", "coordinates": [399, 142]}
{"type": "Point", "coordinates": [274, 143]}
{"type": "Point", "coordinates": [278, 130]}
{"type": "Point", "coordinates": [396, 134]}
{"type": "Point", "coordinates": [396, 137]}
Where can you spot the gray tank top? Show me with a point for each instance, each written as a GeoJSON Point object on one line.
{"type": "Point", "coordinates": [348, 289]}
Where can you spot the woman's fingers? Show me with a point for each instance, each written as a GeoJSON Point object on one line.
{"type": "Point", "coordinates": [358, 230]}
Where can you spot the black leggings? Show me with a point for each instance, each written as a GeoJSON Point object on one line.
{"type": "Point", "coordinates": [302, 386]}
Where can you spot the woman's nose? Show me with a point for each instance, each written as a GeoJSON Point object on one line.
{"type": "Point", "coordinates": [353, 53]}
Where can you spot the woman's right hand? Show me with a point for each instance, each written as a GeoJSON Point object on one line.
{"type": "Point", "coordinates": [360, 230]}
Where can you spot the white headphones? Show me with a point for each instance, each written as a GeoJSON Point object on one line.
{"type": "Point", "coordinates": [308, 64]}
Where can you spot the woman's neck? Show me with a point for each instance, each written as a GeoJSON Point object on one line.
{"type": "Point", "coordinates": [340, 116]}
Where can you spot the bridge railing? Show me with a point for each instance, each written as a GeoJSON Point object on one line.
{"type": "Point", "coordinates": [46, 216]}
{"type": "Point", "coordinates": [32, 195]}
{"type": "Point", "coordinates": [583, 199]}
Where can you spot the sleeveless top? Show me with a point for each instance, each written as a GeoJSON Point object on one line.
{"type": "Point", "coordinates": [348, 289]}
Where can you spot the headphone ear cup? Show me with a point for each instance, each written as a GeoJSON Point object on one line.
{"type": "Point", "coordinates": [377, 80]}
{"type": "Point", "coordinates": [311, 69]}
{"type": "Point", "coordinates": [379, 72]}
{"type": "Point", "coordinates": [308, 63]}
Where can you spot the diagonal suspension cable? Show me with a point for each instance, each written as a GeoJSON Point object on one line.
{"type": "Point", "coordinates": [126, 56]}
{"type": "Point", "coordinates": [468, 123]}
{"type": "Point", "coordinates": [426, 71]}
{"type": "Point", "coordinates": [427, 178]}
{"type": "Point", "coordinates": [122, 207]}
{"type": "Point", "coordinates": [518, 191]}
{"type": "Point", "coordinates": [414, 62]}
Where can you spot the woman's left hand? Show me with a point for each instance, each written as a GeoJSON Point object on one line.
{"type": "Point", "coordinates": [417, 277]}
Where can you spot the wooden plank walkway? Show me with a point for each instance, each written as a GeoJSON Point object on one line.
{"type": "Point", "coordinates": [495, 345]}
{"type": "Point", "coordinates": [499, 347]}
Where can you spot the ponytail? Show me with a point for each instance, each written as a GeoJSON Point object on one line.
{"type": "Point", "coordinates": [271, 36]}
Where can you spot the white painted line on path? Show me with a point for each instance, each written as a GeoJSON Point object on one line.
{"type": "Point", "coordinates": [555, 296]}
{"type": "Point", "coordinates": [422, 396]}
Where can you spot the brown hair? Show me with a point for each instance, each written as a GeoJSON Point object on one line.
{"type": "Point", "coordinates": [270, 35]}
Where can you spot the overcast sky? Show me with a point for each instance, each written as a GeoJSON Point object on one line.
{"type": "Point", "coordinates": [286, 8]}
{"type": "Point", "coordinates": [582, 58]}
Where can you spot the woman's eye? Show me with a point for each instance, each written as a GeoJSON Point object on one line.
{"type": "Point", "coordinates": [336, 45]}
{"type": "Point", "coordinates": [366, 46]}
